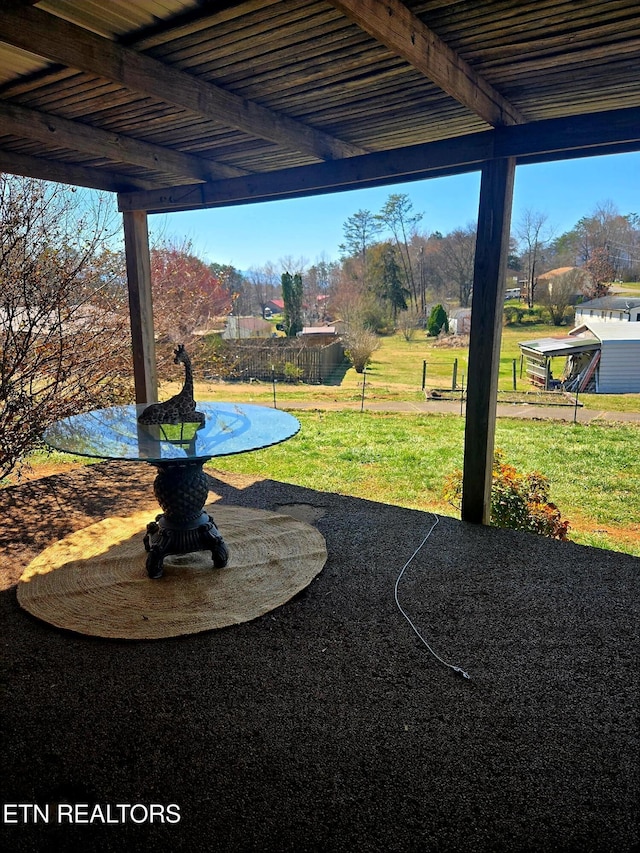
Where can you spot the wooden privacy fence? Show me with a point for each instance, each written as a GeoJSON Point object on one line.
{"type": "Point", "coordinates": [283, 359]}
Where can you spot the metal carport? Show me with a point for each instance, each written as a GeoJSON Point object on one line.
{"type": "Point", "coordinates": [538, 355]}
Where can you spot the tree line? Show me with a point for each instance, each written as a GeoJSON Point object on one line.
{"type": "Point", "coordinates": [64, 323]}
{"type": "Point", "coordinates": [391, 271]}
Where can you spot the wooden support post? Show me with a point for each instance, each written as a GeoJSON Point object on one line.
{"type": "Point", "coordinates": [492, 245]}
{"type": "Point", "coordinates": [136, 243]}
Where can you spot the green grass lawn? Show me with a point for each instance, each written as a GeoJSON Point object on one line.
{"type": "Point", "coordinates": [404, 459]}
{"type": "Point", "coordinates": [399, 363]}
{"type": "Point", "coordinates": [396, 370]}
{"type": "Point", "coordinates": [395, 373]}
{"type": "Point", "coordinates": [630, 287]}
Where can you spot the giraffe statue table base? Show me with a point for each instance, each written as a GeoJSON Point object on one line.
{"type": "Point", "coordinates": [181, 489]}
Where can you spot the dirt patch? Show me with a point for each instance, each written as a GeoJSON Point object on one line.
{"type": "Point", "coordinates": [28, 473]}
{"type": "Point", "coordinates": [451, 342]}
{"type": "Point", "coordinates": [302, 512]}
{"type": "Point", "coordinates": [615, 537]}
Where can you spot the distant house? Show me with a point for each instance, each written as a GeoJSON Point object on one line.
{"type": "Point", "coordinates": [319, 335]}
{"type": "Point", "coordinates": [546, 280]}
{"type": "Point", "coordinates": [609, 308]}
{"type": "Point", "coordinates": [550, 274]}
{"type": "Point", "coordinates": [318, 330]}
{"type": "Point", "coordinates": [275, 306]}
{"type": "Point", "coordinates": [246, 327]}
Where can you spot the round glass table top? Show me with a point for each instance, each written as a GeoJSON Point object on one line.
{"type": "Point", "coordinates": [115, 433]}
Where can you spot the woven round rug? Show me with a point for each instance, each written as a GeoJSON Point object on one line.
{"type": "Point", "coordinates": [95, 581]}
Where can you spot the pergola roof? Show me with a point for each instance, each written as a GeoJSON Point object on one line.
{"type": "Point", "coordinates": [185, 103]}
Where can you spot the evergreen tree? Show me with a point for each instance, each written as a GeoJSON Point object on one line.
{"type": "Point", "coordinates": [292, 298]}
{"type": "Point", "coordinates": [391, 288]}
{"type": "Point", "coordinates": [437, 321]}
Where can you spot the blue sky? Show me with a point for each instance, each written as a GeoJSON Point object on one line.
{"type": "Point", "coordinates": [250, 235]}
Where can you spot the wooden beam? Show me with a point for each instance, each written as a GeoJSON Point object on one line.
{"type": "Point", "coordinates": [577, 154]}
{"type": "Point", "coordinates": [492, 247]}
{"type": "Point", "coordinates": [65, 173]}
{"type": "Point", "coordinates": [11, 5]}
{"type": "Point", "coordinates": [576, 136]}
{"type": "Point", "coordinates": [436, 159]}
{"type": "Point", "coordinates": [59, 41]}
{"type": "Point", "coordinates": [63, 133]}
{"type": "Point", "coordinates": [136, 243]}
{"type": "Point", "coordinates": [393, 24]}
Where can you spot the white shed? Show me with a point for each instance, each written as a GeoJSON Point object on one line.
{"type": "Point", "coordinates": [619, 368]}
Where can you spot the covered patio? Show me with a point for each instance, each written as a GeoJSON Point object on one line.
{"type": "Point", "coordinates": [325, 725]}
{"type": "Point", "coordinates": [185, 104]}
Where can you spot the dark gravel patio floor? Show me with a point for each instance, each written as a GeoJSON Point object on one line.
{"type": "Point", "coordinates": [326, 725]}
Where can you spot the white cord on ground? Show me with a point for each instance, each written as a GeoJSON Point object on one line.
{"type": "Point", "coordinates": [419, 635]}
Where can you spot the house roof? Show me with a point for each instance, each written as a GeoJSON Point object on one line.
{"type": "Point", "coordinates": [551, 347]}
{"type": "Point", "coordinates": [253, 324]}
{"type": "Point", "coordinates": [561, 271]}
{"type": "Point", "coordinates": [609, 332]}
{"type": "Point", "coordinates": [182, 104]}
{"type": "Point", "coordinates": [318, 330]}
{"type": "Point", "coordinates": [611, 302]}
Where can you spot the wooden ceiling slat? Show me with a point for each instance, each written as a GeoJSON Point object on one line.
{"type": "Point", "coordinates": [65, 43]}
{"type": "Point", "coordinates": [536, 66]}
{"type": "Point", "coordinates": [390, 22]}
{"type": "Point", "coordinates": [541, 140]}
{"type": "Point", "coordinates": [303, 59]}
{"type": "Point", "coordinates": [70, 157]}
{"type": "Point", "coordinates": [313, 52]}
{"type": "Point", "coordinates": [115, 17]}
{"type": "Point", "coordinates": [609, 43]}
{"type": "Point", "coordinates": [511, 19]}
{"type": "Point", "coordinates": [51, 170]}
{"type": "Point", "coordinates": [45, 127]}
{"type": "Point", "coordinates": [284, 26]}
{"type": "Point", "coordinates": [195, 20]}
{"type": "Point", "coordinates": [336, 55]}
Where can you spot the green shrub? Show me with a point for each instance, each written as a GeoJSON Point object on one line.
{"type": "Point", "coordinates": [377, 319]}
{"type": "Point", "coordinates": [292, 373]}
{"type": "Point", "coordinates": [512, 314]}
{"type": "Point", "coordinates": [520, 315]}
{"type": "Point", "coordinates": [533, 315]}
{"type": "Point", "coordinates": [518, 501]}
{"type": "Point", "coordinates": [437, 321]}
